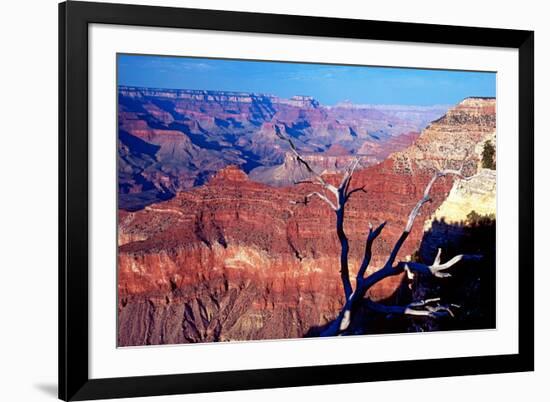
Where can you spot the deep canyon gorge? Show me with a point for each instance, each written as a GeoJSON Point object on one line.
{"type": "Point", "coordinates": [212, 244]}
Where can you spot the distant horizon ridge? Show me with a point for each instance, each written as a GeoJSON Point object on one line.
{"type": "Point", "coordinates": [343, 103]}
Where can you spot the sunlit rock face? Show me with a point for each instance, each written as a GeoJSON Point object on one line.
{"type": "Point", "coordinates": [236, 259]}
{"type": "Point", "coordinates": [455, 140]}
{"type": "Point", "coordinates": [477, 194]}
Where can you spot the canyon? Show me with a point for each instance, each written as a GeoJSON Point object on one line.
{"type": "Point", "coordinates": [173, 140]}
{"type": "Point", "coordinates": [243, 255]}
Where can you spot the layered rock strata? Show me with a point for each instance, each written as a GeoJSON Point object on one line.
{"type": "Point", "coordinates": [172, 140]}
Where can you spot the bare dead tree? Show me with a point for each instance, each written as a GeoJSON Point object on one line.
{"type": "Point", "coordinates": [355, 296]}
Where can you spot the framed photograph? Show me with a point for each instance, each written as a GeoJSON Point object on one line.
{"type": "Point", "coordinates": [258, 201]}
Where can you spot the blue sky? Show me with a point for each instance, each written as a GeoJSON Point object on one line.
{"type": "Point", "coordinates": [329, 84]}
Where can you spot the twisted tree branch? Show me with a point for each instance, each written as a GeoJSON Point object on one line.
{"type": "Point", "coordinates": [416, 211]}
{"type": "Point", "coordinates": [427, 308]}
{"type": "Point", "coordinates": [344, 244]}
{"type": "Point", "coordinates": [341, 196]}
{"type": "Point", "coordinates": [355, 190]}
{"type": "Point", "coordinates": [343, 320]}
{"type": "Point", "coordinates": [300, 159]}
{"type": "Point", "coordinates": [363, 284]}
{"type": "Point", "coordinates": [321, 196]}
{"type": "Point", "coordinates": [435, 269]}
{"type": "Point", "coordinates": [373, 234]}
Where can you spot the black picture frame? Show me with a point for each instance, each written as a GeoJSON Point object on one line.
{"type": "Point", "coordinates": [74, 18]}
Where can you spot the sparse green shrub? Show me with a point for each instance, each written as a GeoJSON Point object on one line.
{"type": "Point", "coordinates": [476, 219]}
{"type": "Point", "coordinates": [488, 160]}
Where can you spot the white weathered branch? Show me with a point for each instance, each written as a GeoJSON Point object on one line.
{"type": "Point", "coordinates": [321, 196]}
{"type": "Point", "coordinates": [436, 268]}
{"type": "Point", "coordinates": [422, 308]}
{"type": "Point", "coordinates": [426, 308]}
{"type": "Point", "coordinates": [349, 173]}
{"type": "Point", "coordinates": [416, 211]}
{"type": "Point", "coordinates": [426, 196]}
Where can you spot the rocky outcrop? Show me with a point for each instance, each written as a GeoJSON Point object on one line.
{"type": "Point", "coordinates": [235, 259]}
{"type": "Point", "coordinates": [455, 138]}
{"type": "Point", "coordinates": [476, 194]}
